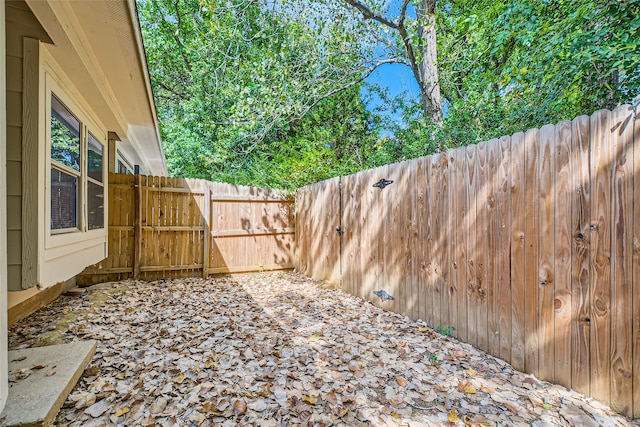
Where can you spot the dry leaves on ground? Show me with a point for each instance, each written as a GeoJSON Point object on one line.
{"type": "Point", "coordinates": [277, 349]}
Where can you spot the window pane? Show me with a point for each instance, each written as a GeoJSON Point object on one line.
{"type": "Point", "coordinates": [121, 167]}
{"type": "Point", "coordinates": [65, 135]}
{"type": "Point", "coordinates": [94, 158]}
{"type": "Point", "coordinates": [64, 200]}
{"type": "Point", "coordinates": [95, 203]}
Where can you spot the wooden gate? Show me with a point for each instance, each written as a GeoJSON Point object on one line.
{"type": "Point", "coordinates": [163, 227]}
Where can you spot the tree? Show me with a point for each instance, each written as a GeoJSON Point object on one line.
{"type": "Point", "coordinates": [414, 45]}
{"type": "Point", "coordinates": [231, 79]}
{"type": "Point", "coordinates": [510, 65]}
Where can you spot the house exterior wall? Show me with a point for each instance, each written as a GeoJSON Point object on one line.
{"type": "Point", "coordinates": [36, 256]}
{"type": "Point", "coordinates": [88, 56]}
{"type": "Point", "coordinates": [20, 23]}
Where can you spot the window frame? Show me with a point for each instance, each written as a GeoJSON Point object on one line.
{"type": "Point", "coordinates": [54, 164]}
{"type": "Point", "coordinates": [90, 180]}
{"type": "Point", "coordinates": [120, 158]}
{"type": "Point", "coordinates": [72, 101]}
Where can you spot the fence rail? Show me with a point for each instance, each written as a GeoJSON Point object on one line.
{"type": "Point", "coordinates": [529, 245]}
{"type": "Point", "coordinates": [163, 227]}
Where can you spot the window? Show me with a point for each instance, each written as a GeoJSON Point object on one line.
{"type": "Point", "coordinates": [95, 186]}
{"type": "Point", "coordinates": [77, 178]}
{"type": "Point", "coordinates": [123, 166]}
{"type": "Point", "coordinates": [65, 167]}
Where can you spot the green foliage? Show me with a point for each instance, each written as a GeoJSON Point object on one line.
{"type": "Point", "coordinates": [511, 65]}
{"type": "Point", "coordinates": [446, 331]}
{"type": "Point", "coordinates": [65, 145]}
{"type": "Point", "coordinates": [244, 94]}
{"type": "Point", "coordinates": [267, 94]}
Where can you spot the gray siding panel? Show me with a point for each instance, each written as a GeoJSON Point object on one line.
{"type": "Point", "coordinates": [14, 151]}
{"type": "Point", "coordinates": [14, 213]}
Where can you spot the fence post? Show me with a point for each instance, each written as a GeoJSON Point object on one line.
{"type": "Point", "coordinates": [207, 231]}
{"type": "Point", "coordinates": [137, 226]}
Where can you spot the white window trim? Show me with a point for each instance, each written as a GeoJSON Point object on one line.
{"type": "Point", "coordinates": [67, 95]}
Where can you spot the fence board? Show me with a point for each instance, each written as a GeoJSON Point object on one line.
{"type": "Point", "coordinates": [580, 255]}
{"type": "Point", "coordinates": [562, 267]}
{"type": "Point", "coordinates": [493, 247]}
{"type": "Point", "coordinates": [432, 309]}
{"type": "Point", "coordinates": [517, 260]}
{"type": "Point", "coordinates": [600, 287]}
{"type": "Point", "coordinates": [531, 250]}
{"type": "Point", "coordinates": [452, 242]}
{"type": "Point", "coordinates": [621, 258]}
{"type": "Point", "coordinates": [369, 243]}
{"type": "Point", "coordinates": [472, 253]}
{"type": "Point", "coordinates": [503, 204]}
{"type": "Point", "coordinates": [546, 253]}
{"type": "Point", "coordinates": [460, 190]}
{"type": "Point", "coordinates": [420, 244]}
{"type": "Point", "coordinates": [636, 265]}
{"type": "Point", "coordinates": [482, 245]}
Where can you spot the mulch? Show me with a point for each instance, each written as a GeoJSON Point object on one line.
{"type": "Point", "coordinates": [280, 349]}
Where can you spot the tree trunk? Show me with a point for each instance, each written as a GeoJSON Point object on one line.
{"type": "Point", "coordinates": [428, 66]}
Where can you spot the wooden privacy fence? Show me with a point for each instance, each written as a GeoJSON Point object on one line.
{"type": "Point", "coordinates": [528, 245]}
{"type": "Point", "coordinates": [163, 227]}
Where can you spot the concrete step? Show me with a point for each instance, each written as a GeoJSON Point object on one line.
{"type": "Point", "coordinates": [40, 379]}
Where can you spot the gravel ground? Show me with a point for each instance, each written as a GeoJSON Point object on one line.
{"type": "Point", "coordinates": [279, 349]}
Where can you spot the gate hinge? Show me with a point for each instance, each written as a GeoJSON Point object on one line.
{"type": "Point", "coordinates": [383, 183]}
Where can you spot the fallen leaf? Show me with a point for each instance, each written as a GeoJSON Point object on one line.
{"type": "Point", "coordinates": [19, 359]}
{"type": "Point", "coordinates": [98, 409]}
{"type": "Point", "coordinates": [50, 373]}
{"type": "Point", "coordinates": [239, 407]}
{"type": "Point", "coordinates": [471, 372]}
{"type": "Point", "coordinates": [258, 405]}
{"type": "Point", "coordinates": [535, 401]}
{"type": "Point", "coordinates": [480, 420]}
{"type": "Point", "coordinates": [402, 382]}
{"type": "Point", "coordinates": [179, 379]}
{"type": "Point", "coordinates": [488, 390]}
{"type": "Point", "coordinates": [311, 400]}
{"type": "Point", "coordinates": [331, 398]}
{"type": "Point", "coordinates": [453, 416]}
{"type": "Point", "coordinates": [120, 412]}
{"type": "Point", "coordinates": [84, 400]}
{"type": "Point", "coordinates": [38, 367]}
{"type": "Point", "coordinates": [222, 404]}
{"type": "Point", "coordinates": [158, 405]}
{"type": "Point", "coordinates": [466, 387]}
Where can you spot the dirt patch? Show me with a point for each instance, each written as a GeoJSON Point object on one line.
{"type": "Point", "coordinates": [58, 317]}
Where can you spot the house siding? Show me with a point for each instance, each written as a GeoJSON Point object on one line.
{"type": "Point", "coordinates": [20, 23]}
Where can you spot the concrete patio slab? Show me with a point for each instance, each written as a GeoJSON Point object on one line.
{"type": "Point", "coordinates": [40, 380]}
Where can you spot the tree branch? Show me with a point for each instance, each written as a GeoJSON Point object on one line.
{"type": "Point", "coordinates": [369, 14]}
{"type": "Point", "coordinates": [368, 72]}
{"type": "Point", "coordinates": [409, 47]}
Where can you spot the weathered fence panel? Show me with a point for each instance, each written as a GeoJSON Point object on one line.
{"type": "Point", "coordinates": [162, 227]}
{"type": "Point", "coordinates": [528, 245]}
